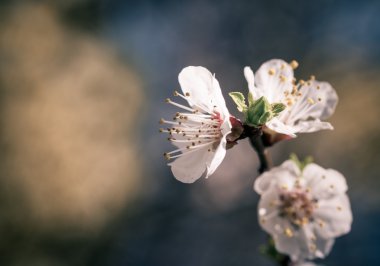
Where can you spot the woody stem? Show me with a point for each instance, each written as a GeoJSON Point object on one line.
{"type": "Point", "coordinates": [262, 153]}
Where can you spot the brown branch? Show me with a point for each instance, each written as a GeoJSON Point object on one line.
{"type": "Point", "coordinates": [262, 153]}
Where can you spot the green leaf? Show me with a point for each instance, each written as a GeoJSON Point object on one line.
{"type": "Point", "coordinates": [239, 99]}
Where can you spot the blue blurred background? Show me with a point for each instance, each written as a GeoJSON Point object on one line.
{"type": "Point", "coordinates": [82, 88]}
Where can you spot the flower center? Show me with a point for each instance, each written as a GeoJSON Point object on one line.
{"type": "Point", "coordinates": [194, 129]}
{"type": "Point", "coordinates": [297, 207]}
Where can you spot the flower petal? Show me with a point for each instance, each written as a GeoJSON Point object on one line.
{"type": "Point", "coordinates": [278, 126]}
{"type": "Point", "coordinates": [303, 244]}
{"type": "Point", "coordinates": [218, 157]}
{"type": "Point", "coordinates": [312, 126]}
{"type": "Point", "coordinates": [203, 88]}
{"type": "Point", "coordinates": [334, 217]}
{"type": "Point", "coordinates": [250, 77]}
{"type": "Point", "coordinates": [318, 101]}
{"type": "Point", "coordinates": [268, 213]}
{"type": "Point", "coordinates": [323, 183]}
{"type": "Point", "coordinates": [281, 175]}
{"type": "Point", "coordinates": [274, 79]}
{"type": "Point", "coordinates": [191, 166]}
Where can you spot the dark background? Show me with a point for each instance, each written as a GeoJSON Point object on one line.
{"type": "Point", "coordinates": [82, 88]}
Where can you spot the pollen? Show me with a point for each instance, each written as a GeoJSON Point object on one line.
{"type": "Point", "coordinates": [288, 232]}
{"type": "Point", "coordinates": [310, 100]}
{"type": "Point", "coordinates": [321, 224]}
{"type": "Point", "coordinates": [294, 64]}
{"type": "Point", "coordinates": [167, 156]}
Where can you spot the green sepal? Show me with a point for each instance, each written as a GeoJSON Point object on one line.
{"type": "Point", "coordinates": [251, 101]}
{"type": "Point", "coordinates": [259, 112]}
{"type": "Point", "coordinates": [277, 108]}
{"type": "Point", "coordinates": [239, 100]}
{"type": "Point", "coordinates": [301, 164]}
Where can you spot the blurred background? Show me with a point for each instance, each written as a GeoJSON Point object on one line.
{"type": "Point", "coordinates": [82, 88]}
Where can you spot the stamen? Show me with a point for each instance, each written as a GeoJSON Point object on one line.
{"type": "Point", "coordinates": [288, 232]}
{"type": "Point", "coordinates": [271, 71]}
{"type": "Point", "coordinates": [294, 64]}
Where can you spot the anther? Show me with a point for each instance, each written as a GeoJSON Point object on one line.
{"type": "Point", "coordinates": [310, 100]}
{"type": "Point", "coordinates": [175, 93]}
{"type": "Point", "coordinates": [282, 78]}
{"type": "Point", "coordinates": [167, 156]}
{"type": "Point", "coordinates": [187, 94]}
{"type": "Point", "coordinates": [312, 77]}
{"type": "Point", "coordinates": [294, 64]}
{"type": "Point", "coordinates": [162, 121]}
{"type": "Point", "coordinates": [271, 72]}
{"type": "Point", "coordinates": [288, 232]}
{"type": "Point", "coordinates": [167, 100]}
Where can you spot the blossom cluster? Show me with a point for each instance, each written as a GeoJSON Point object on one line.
{"type": "Point", "coordinates": [303, 206]}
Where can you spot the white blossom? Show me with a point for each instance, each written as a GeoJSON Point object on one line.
{"type": "Point", "coordinates": [199, 131]}
{"type": "Point", "coordinates": [308, 102]}
{"type": "Point", "coordinates": [303, 210]}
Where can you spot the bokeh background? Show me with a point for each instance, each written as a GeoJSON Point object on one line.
{"type": "Point", "coordinates": [82, 88]}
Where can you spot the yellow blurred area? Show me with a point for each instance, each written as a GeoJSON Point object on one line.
{"type": "Point", "coordinates": [68, 108]}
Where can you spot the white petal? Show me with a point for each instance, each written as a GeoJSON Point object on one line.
{"type": "Point", "coordinates": [278, 126]}
{"type": "Point", "coordinates": [333, 217]}
{"type": "Point", "coordinates": [190, 167]}
{"type": "Point", "coordinates": [218, 157]}
{"type": "Point", "coordinates": [323, 183]}
{"type": "Point", "coordinates": [312, 126]}
{"type": "Point", "coordinates": [284, 174]}
{"type": "Point", "coordinates": [274, 78]}
{"type": "Point", "coordinates": [318, 101]}
{"type": "Point", "coordinates": [250, 77]}
{"type": "Point", "coordinates": [203, 88]}
{"type": "Point", "coordinates": [302, 245]}
{"type": "Point", "coordinates": [268, 214]}
{"type": "Point", "coordinates": [296, 246]}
